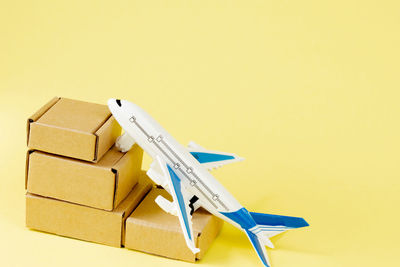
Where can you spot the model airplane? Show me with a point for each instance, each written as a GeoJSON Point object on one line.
{"type": "Point", "coordinates": [184, 173]}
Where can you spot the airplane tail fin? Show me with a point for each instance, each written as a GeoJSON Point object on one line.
{"type": "Point", "coordinates": [259, 245]}
{"type": "Point", "coordinates": [269, 225]}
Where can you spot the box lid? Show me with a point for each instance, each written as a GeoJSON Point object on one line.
{"type": "Point", "coordinates": [75, 115]}
{"type": "Point", "coordinates": [72, 128]}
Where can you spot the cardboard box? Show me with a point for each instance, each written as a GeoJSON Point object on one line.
{"type": "Point", "coordinates": [100, 185]}
{"type": "Point", "coordinates": [152, 230]}
{"type": "Point", "coordinates": [81, 222]}
{"type": "Point", "coordinates": [73, 128]}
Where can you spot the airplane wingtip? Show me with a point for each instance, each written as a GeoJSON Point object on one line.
{"type": "Point", "coordinates": [195, 250]}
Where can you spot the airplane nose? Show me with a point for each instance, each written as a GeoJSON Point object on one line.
{"type": "Point", "coordinates": [111, 102]}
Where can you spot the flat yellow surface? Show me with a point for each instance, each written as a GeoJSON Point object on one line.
{"type": "Point", "coordinates": [307, 91]}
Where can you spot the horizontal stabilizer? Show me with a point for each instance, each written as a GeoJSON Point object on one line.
{"type": "Point", "coordinates": [278, 220]}
{"type": "Point", "coordinates": [267, 226]}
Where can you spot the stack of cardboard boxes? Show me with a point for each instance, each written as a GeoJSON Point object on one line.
{"type": "Point", "coordinates": [79, 185]}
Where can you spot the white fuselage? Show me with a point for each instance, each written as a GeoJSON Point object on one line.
{"type": "Point", "coordinates": [154, 140]}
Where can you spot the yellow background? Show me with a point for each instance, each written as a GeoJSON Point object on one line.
{"type": "Point", "coordinates": [306, 91]}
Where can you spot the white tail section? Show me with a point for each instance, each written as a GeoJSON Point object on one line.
{"type": "Point", "coordinates": [264, 233]}
{"type": "Point", "coordinates": [267, 231]}
{"type": "Point", "coordinates": [260, 235]}
{"type": "Point", "coordinates": [258, 242]}
{"type": "Point", "coordinates": [264, 239]}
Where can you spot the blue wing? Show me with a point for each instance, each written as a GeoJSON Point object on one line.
{"type": "Point", "coordinates": [204, 157]}
{"type": "Point", "coordinates": [211, 159]}
{"type": "Point", "coordinates": [176, 183]}
{"type": "Point", "coordinates": [178, 195]}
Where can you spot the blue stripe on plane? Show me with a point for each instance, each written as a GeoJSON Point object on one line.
{"type": "Point", "coordinates": [176, 182]}
{"type": "Point", "coordinates": [204, 157]}
{"type": "Point", "coordinates": [258, 247]}
{"type": "Point", "coordinates": [241, 217]}
{"type": "Point", "coordinates": [263, 231]}
{"type": "Point", "coordinates": [274, 228]}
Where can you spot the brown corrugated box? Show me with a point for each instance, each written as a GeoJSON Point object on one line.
{"type": "Point", "coordinates": [100, 185]}
{"type": "Point", "coordinates": [73, 128]}
{"type": "Point", "coordinates": [152, 230]}
{"type": "Point", "coordinates": [81, 222]}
